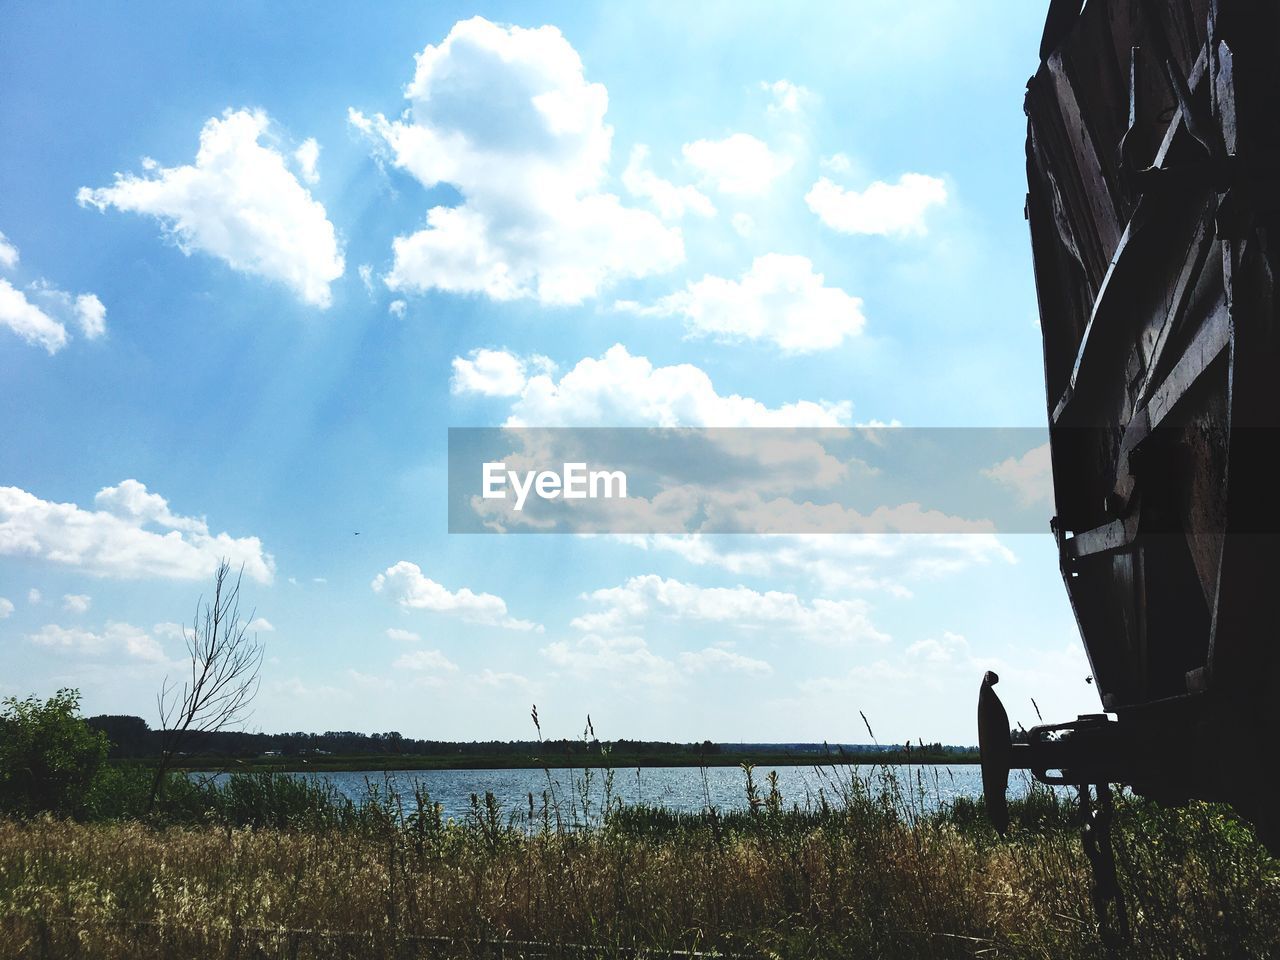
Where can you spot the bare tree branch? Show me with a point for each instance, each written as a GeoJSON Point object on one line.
{"type": "Point", "coordinates": [225, 661]}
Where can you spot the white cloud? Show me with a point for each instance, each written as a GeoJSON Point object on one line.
{"type": "Point", "coordinates": [671, 202]}
{"type": "Point", "coordinates": [113, 640]}
{"type": "Point", "coordinates": [33, 595]}
{"type": "Point", "coordinates": [1029, 476]}
{"type": "Point", "coordinates": [44, 322]}
{"type": "Point", "coordinates": [240, 203]}
{"type": "Point", "coordinates": [397, 308]}
{"type": "Point", "coordinates": [28, 321]}
{"type": "Point", "coordinates": [170, 630]}
{"type": "Point", "coordinates": [6, 608]}
{"type": "Point", "coordinates": [882, 209]}
{"type": "Point", "coordinates": [949, 649]}
{"type": "Point", "coordinates": [786, 97]}
{"type": "Point", "coordinates": [261, 625]}
{"type": "Point", "coordinates": [8, 253]}
{"type": "Point", "coordinates": [490, 373]}
{"type": "Point", "coordinates": [114, 540]}
{"type": "Point", "coordinates": [835, 622]}
{"type": "Point", "coordinates": [837, 163]}
{"type": "Point", "coordinates": [619, 389]}
{"type": "Point", "coordinates": [717, 657]}
{"type": "Point", "coordinates": [405, 584]}
{"type": "Point", "coordinates": [76, 602]}
{"type": "Point", "coordinates": [425, 661]}
{"type": "Point", "coordinates": [875, 562]}
{"type": "Point", "coordinates": [780, 298]}
{"type": "Point", "coordinates": [628, 659]}
{"type": "Point", "coordinates": [365, 272]}
{"type": "Point", "coordinates": [308, 155]}
{"type": "Point", "coordinates": [91, 315]}
{"type": "Point", "coordinates": [404, 636]}
{"type": "Point", "coordinates": [506, 115]}
{"type": "Point", "coordinates": [738, 164]}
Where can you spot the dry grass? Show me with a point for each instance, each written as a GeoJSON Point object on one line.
{"type": "Point", "coordinates": [865, 880]}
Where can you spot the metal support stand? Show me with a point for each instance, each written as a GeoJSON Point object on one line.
{"type": "Point", "coordinates": [1108, 900]}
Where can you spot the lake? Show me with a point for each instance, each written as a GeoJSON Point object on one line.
{"type": "Point", "coordinates": [682, 789]}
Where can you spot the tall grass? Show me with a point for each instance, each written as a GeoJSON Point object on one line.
{"type": "Point", "coordinates": [263, 866]}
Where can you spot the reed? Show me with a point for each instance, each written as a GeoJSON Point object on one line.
{"type": "Point", "coordinates": [262, 866]}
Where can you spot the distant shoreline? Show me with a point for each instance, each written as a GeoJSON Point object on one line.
{"type": "Point", "coordinates": [392, 762]}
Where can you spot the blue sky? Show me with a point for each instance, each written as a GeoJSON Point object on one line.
{"type": "Point", "coordinates": [256, 261]}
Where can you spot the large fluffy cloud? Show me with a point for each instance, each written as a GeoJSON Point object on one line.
{"type": "Point", "coordinates": [133, 534]}
{"type": "Point", "coordinates": [620, 389]}
{"type": "Point", "coordinates": [507, 117]}
{"type": "Point", "coordinates": [114, 640]}
{"type": "Point", "coordinates": [780, 298]}
{"type": "Point", "coordinates": [405, 583]}
{"type": "Point", "coordinates": [240, 202]}
{"type": "Point", "coordinates": [883, 208]}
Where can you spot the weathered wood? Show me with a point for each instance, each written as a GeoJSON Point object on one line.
{"type": "Point", "coordinates": [1153, 162]}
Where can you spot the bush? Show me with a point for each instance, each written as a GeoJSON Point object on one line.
{"type": "Point", "coordinates": [49, 756]}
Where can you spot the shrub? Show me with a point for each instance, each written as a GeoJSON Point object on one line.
{"type": "Point", "coordinates": [48, 755]}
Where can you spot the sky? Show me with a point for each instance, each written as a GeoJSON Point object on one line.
{"type": "Point", "coordinates": [256, 260]}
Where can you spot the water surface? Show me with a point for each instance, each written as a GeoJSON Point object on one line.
{"type": "Point", "coordinates": [919, 788]}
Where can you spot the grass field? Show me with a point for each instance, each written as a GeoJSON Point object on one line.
{"type": "Point", "coordinates": [270, 867]}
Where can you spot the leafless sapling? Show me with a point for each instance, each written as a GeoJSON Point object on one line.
{"type": "Point", "coordinates": [225, 660]}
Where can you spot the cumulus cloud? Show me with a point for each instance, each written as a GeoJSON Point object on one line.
{"type": "Point", "coordinates": [781, 299]}
{"type": "Point", "coordinates": [882, 209]}
{"type": "Point", "coordinates": [1030, 476]}
{"type": "Point", "coordinates": [114, 640]}
{"type": "Point", "coordinates": [738, 164]}
{"type": "Point", "coordinates": [238, 202]}
{"type": "Point", "coordinates": [494, 373]}
{"type": "Point", "coordinates": [672, 202]}
{"type": "Point", "coordinates": [40, 314]}
{"type": "Point", "coordinates": [619, 389]}
{"type": "Point", "coordinates": [76, 602]}
{"type": "Point", "coordinates": [404, 636]}
{"type": "Point", "coordinates": [132, 535]}
{"type": "Point", "coordinates": [836, 622]}
{"type": "Point", "coordinates": [6, 607]}
{"type": "Point", "coordinates": [406, 585]}
{"type": "Point", "coordinates": [28, 321]}
{"type": "Point", "coordinates": [261, 625]}
{"type": "Point", "coordinates": [507, 117]}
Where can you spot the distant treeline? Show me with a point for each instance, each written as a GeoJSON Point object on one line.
{"type": "Point", "coordinates": [131, 738]}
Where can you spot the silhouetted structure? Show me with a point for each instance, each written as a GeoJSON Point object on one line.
{"type": "Point", "coordinates": [1153, 166]}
